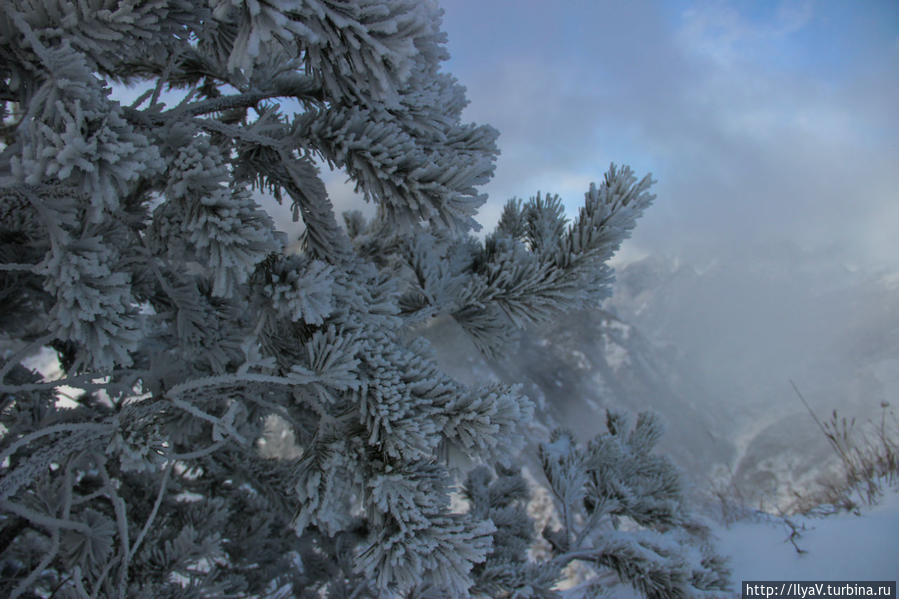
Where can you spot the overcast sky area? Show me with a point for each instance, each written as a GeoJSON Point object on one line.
{"type": "Point", "coordinates": [759, 120]}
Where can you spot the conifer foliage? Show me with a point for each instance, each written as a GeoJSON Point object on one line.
{"type": "Point", "coordinates": [621, 511]}
{"type": "Point", "coordinates": [132, 244]}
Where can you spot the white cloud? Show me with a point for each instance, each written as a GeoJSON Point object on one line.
{"type": "Point", "coordinates": [724, 32]}
{"type": "Point", "coordinates": [752, 124]}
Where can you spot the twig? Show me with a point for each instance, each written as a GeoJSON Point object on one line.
{"type": "Point", "coordinates": [583, 554]}
{"type": "Point", "coordinates": [143, 533]}
{"type": "Point", "coordinates": [77, 382]}
{"type": "Point", "coordinates": [50, 430]}
{"type": "Point", "coordinates": [232, 379]}
{"type": "Point", "coordinates": [59, 585]}
{"type": "Point", "coordinates": [141, 99]}
{"type": "Point", "coordinates": [48, 522]}
{"type": "Point", "coordinates": [122, 523]}
{"type": "Point", "coordinates": [794, 534]}
{"type": "Point", "coordinates": [214, 420]}
{"type": "Point", "coordinates": [163, 78]}
{"type": "Point", "coordinates": [193, 455]}
{"type": "Point", "coordinates": [840, 453]}
{"type": "Point", "coordinates": [593, 520]}
{"type": "Point", "coordinates": [19, 267]}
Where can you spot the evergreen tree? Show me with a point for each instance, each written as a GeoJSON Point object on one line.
{"type": "Point", "coordinates": [132, 244]}
{"type": "Point", "coordinates": [621, 511]}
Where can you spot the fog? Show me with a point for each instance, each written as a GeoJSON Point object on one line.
{"type": "Point", "coordinates": [771, 130]}
{"type": "Point", "coordinates": [770, 253]}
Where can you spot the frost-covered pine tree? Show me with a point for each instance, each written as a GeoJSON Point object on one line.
{"type": "Point", "coordinates": [622, 516]}
{"type": "Point", "coordinates": [132, 244]}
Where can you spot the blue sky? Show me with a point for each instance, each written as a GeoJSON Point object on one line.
{"type": "Point", "coordinates": [760, 120]}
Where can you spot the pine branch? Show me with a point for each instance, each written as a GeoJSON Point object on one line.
{"type": "Point", "coordinates": [49, 522]}
{"type": "Point", "coordinates": [94, 428]}
{"type": "Point", "coordinates": [166, 474]}
{"type": "Point", "coordinates": [294, 86]}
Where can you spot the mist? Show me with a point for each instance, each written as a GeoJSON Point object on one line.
{"type": "Point", "coordinates": [769, 257]}
{"type": "Point", "coordinates": [771, 130]}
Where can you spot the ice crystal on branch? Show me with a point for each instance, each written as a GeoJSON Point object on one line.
{"type": "Point", "coordinates": [133, 244]}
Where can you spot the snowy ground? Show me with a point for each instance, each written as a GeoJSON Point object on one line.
{"type": "Point", "coordinates": [838, 547]}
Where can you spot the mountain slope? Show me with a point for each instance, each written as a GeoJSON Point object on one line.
{"type": "Point", "coordinates": [750, 326]}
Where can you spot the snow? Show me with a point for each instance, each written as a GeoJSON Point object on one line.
{"type": "Point", "coordinates": [843, 546]}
